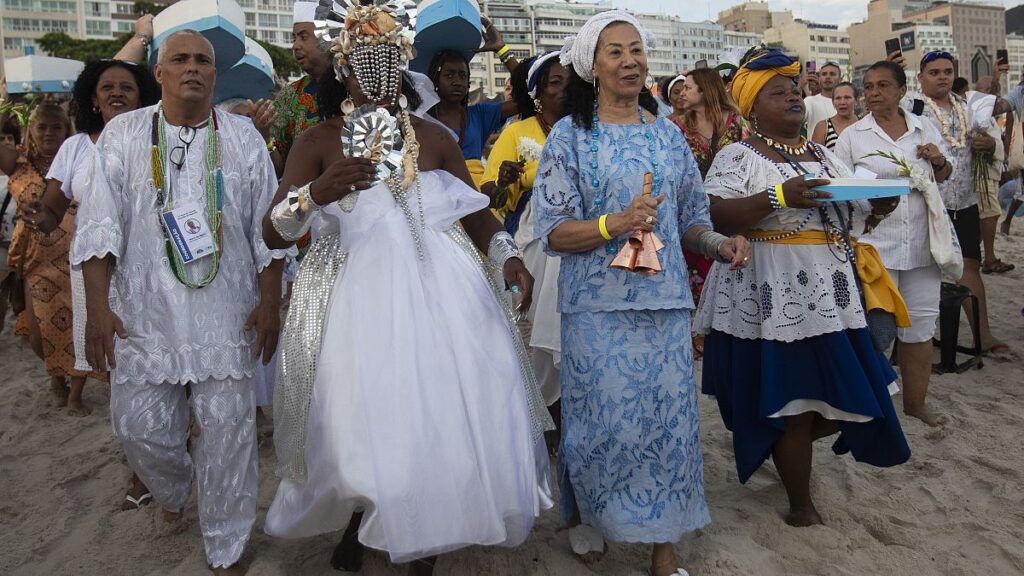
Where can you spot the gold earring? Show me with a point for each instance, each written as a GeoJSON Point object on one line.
{"type": "Point", "coordinates": [537, 106]}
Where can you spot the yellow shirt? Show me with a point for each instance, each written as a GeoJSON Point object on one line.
{"type": "Point", "coordinates": [521, 140]}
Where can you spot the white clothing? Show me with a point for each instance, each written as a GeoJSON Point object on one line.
{"type": "Point", "coordinates": [73, 160]}
{"type": "Point", "coordinates": [816, 109]}
{"type": "Point", "coordinates": [177, 334]}
{"type": "Point", "coordinates": [152, 423]}
{"type": "Point", "coordinates": [6, 225]}
{"type": "Point", "coordinates": [779, 296]}
{"type": "Point", "coordinates": [958, 190]}
{"type": "Point", "coordinates": [921, 289]}
{"type": "Point", "coordinates": [71, 163]}
{"type": "Point", "coordinates": [420, 413]}
{"type": "Point", "coordinates": [902, 238]}
{"type": "Point", "coordinates": [545, 336]}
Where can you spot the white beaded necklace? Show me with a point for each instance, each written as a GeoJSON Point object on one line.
{"type": "Point", "coordinates": [958, 142]}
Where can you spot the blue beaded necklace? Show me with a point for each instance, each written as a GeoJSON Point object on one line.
{"type": "Point", "coordinates": [595, 182]}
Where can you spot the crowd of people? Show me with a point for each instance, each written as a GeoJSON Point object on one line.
{"type": "Point", "coordinates": [517, 283]}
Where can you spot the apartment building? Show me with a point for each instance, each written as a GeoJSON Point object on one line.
{"type": "Point", "coordinates": [753, 17]}
{"type": "Point", "coordinates": [810, 40]}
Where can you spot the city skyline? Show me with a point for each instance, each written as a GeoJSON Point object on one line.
{"type": "Point", "coordinates": [840, 12]}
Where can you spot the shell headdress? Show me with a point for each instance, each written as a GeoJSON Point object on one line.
{"type": "Point", "coordinates": [372, 38]}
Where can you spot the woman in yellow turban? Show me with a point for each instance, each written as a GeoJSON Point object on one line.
{"type": "Point", "coordinates": [788, 354]}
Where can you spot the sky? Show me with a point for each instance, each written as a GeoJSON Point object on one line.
{"type": "Point", "coordinates": [841, 12]}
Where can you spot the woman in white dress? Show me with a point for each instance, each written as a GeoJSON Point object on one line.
{"type": "Point", "coordinates": [404, 392]}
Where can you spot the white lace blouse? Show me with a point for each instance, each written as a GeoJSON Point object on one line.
{"type": "Point", "coordinates": [177, 334]}
{"type": "Point", "coordinates": [788, 292]}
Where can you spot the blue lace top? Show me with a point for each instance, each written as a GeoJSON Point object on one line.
{"type": "Point", "coordinates": [563, 191]}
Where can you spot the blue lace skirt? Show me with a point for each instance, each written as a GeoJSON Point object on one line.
{"type": "Point", "coordinates": [753, 379]}
{"type": "Point", "coordinates": [630, 450]}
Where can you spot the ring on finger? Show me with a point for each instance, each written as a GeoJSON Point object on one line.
{"type": "Point", "coordinates": [649, 220]}
{"type": "Point", "coordinates": [810, 194]}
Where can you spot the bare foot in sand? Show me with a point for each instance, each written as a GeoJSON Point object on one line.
{"type": "Point", "coordinates": [924, 414]}
{"type": "Point", "coordinates": [233, 570]}
{"type": "Point", "coordinates": [348, 554]}
{"type": "Point", "coordinates": [60, 390]}
{"type": "Point", "coordinates": [78, 409]}
{"type": "Point", "coordinates": [801, 517]}
{"type": "Point", "coordinates": [424, 567]}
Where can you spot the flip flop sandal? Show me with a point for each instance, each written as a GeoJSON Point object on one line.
{"type": "Point", "coordinates": [140, 501]}
{"type": "Point", "coordinates": [997, 267]}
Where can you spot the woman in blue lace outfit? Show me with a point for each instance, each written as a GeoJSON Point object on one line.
{"type": "Point", "coordinates": [630, 463]}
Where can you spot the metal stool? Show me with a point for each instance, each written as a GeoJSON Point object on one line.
{"type": "Point", "coordinates": [950, 303]}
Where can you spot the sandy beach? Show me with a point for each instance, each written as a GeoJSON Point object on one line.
{"type": "Point", "coordinates": [957, 508]}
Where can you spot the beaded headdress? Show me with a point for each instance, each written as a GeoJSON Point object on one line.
{"type": "Point", "coordinates": [372, 38]}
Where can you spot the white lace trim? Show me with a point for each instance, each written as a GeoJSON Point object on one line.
{"type": "Point", "coordinates": [96, 240]}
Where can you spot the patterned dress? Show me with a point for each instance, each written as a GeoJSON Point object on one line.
{"type": "Point", "coordinates": [297, 104]}
{"type": "Point", "coordinates": [630, 452]}
{"type": "Point", "coordinates": [47, 272]}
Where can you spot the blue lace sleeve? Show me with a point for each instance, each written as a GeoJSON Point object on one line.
{"type": "Point", "coordinates": [690, 197]}
{"type": "Point", "coordinates": [556, 191]}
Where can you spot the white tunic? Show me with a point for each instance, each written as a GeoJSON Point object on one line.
{"type": "Point", "coordinates": [177, 334]}
{"type": "Point", "coordinates": [789, 292]}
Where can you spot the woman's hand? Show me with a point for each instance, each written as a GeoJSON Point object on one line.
{"type": "Point", "coordinates": [799, 194]}
{"type": "Point", "coordinates": [509, 173]}
{"type": "Point", "coordinates": [932, 154]}
{"type": "Point", "coordinates": [263, 116]}
{"type": "Point", "coordinates": [642, 215]}
{"type": "Point", "coordinates": [737, 251]}
{"type": "Point", "coordinates": [982, 142]}
{"type": "Point", "coordinates": [492, 36]}
{"type": "Point", "coordinates": [35, 215]}
{"type": "Point", "coordinates": [344, 176]}
{"type": "Point", "coordinates": [519, 279]}
{"type": "Point", "coordinates": [100, 328]}
{"type": "Point", "coordinates": [144, 26]}
{"type": "Point", "coordinates": [884, 206]}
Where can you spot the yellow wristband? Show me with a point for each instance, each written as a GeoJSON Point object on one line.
{"type": "Point", "coordinates": [502, 51]}
{"type": "Point", "coordinates": [780, 196]}
{"type": "Point", "coordinates": [602, 226]}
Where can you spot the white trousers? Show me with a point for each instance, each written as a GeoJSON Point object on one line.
{"type": "Point", "coordinates": [152, 423]}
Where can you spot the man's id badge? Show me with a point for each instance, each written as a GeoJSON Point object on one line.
{"type": "Point", "coordinates": [189, 232]}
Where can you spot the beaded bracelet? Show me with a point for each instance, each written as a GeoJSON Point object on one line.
{"type": "Point", "coordinates": [779, 196]}
{"type": "Point", "coordinates": [773, 200]}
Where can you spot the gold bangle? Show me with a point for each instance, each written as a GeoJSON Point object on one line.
{"type": "Point", "coordinates": [602, 226]}
{"type": "Point", "coordinates": [780, 196]}
{"type": "Point", "coordinates": [502, 51]}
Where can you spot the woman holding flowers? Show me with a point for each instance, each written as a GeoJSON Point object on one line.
{"type": "Point", "coordinates": [508, 181]}
{"type": "Point", "coordinates": [914, 240]}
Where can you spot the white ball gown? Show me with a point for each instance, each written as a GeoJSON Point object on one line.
{"type": "Point", "coordinates": [420, 413]}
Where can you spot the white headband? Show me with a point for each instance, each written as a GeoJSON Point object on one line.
{"type": "Point", "coordinates": [532, 78]}
{"type": "Point", "coordinates": [668, 90]}
{"type": "Point", "coordinates": [578, 51]}
{"type": "Point", "coordinates": [304, 12]}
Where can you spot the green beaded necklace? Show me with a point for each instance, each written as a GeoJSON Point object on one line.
{"type": "Point", "coordinates": [214, 193]}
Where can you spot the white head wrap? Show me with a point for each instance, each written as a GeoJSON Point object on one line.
{"type": "Point", "coordinates": [578, 51]}
{"type": "Point", "coordinates": [304, 12]}
{"type": "Point", "coordinates": [668, 90]}
{"type": "Point", "coordinates": [535, 68]}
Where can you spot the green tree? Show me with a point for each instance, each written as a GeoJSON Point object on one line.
{"type": "Point", "coordinates": [284, 62]}
{"type": "Point", "coordinates": [60, 45]}
{"type": "Point", "coordinates": [142, 7]}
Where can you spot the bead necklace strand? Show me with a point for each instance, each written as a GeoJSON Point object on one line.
{"type": "Point", "coordinates": [595, 182]}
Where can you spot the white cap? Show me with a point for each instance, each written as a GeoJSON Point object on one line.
{"type": "Point", "coordinates": [304, 11]}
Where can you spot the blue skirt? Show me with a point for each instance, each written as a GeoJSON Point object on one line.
{"type": "Point", "coordinates": [630, 457]}
{"type": "Point", "coordinates": [753, 379]}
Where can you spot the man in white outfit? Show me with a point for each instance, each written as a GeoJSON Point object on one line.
{"type": "Point", "coordinates": [174, 203]}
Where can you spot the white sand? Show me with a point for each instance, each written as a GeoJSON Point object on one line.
{"type": "Point", "coordinates": [956, 508]}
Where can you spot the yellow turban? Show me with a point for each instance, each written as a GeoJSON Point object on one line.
{"type": "Point", "coordinates": [756, 72]}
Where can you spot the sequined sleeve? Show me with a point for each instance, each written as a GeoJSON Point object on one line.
{"type": "Point", "coordinates": [556, 191]}
{"type": "Point", "coordinates": [100, 212]}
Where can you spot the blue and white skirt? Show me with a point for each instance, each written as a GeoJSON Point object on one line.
{"type": "Point", "coordinates": [838, 375]}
